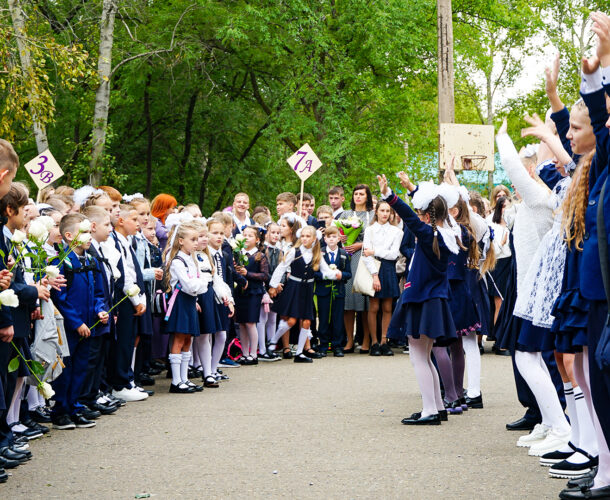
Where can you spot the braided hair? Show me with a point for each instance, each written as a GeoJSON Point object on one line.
{"type": "Point", "coordinates": [437, 210]}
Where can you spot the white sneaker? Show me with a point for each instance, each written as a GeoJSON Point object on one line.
{"type": "Point", "coordinates": [537, 435]}
{"type": "Point", "coordinates": [553, 441]}
{"type": "Point", "coordinates": [130, 395]}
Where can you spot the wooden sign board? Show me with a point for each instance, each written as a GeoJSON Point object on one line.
{"type": "Point", "coordinates": [472, 145]}
{"type": "Point", "coordinates": [304, 162]}
{"type": "Point", "coordinates": [44, 169]}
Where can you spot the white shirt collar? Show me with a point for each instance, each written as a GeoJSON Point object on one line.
{"type": "Point", "coordinates": [252, 251]}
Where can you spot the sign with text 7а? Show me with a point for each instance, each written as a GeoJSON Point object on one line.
{"type": "Point", "coordinates": [304, 162]}
{"type": "Point", "coordinates": [44, 169]}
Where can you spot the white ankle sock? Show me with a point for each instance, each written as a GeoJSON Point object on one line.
{"type": "Point", "coordinates": [184, 366]}
{"type": "Point", "coordinates": [175, 361]}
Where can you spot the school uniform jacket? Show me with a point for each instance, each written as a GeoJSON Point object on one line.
{"type": "Point", "coordinates": [342, 261]}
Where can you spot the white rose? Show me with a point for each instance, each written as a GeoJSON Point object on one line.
{"type": "Point", "coordinates": [85, 226]}
{"type": "Point", "coordinates": [46, 221]}
{"type": "Point", "coordinates": [333, 267]}
{"type": "Point", "coordinates": [8, 298]}
{"type": "Point", "coordinates": [232, 243]}
{"type": "Point", "coordinates": [239, 238]}
{"type": "Point", "coordinates": [83, 238]}
{"type": "Point", "coordinates": [133, 291]}
{"type": "Point", "coordinates": [37, 231]}
{"type": "Point", "coordinates": [18, 237]}
{"type": "Point", "coordinates": [45, 390]}
{"type": "Point", "coordinates": [52, 272]}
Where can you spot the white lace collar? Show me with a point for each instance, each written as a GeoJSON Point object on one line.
{"type": "Point", "coordinates": [448, 236]}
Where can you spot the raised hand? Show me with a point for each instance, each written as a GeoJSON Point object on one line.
{"type": "Point", "coordinates": [601, 27]}
{"type": "Point", "coordinates": [538, 128]}
{"type": "Point", "coordinates": [405, 182]}
{"type": "Point", "coordinates": [503, 128]}
{"type": "Point", "coordinates": [552, 76]}
{"type": "Point", "coordinates": [383, 185]}
{"type": "Point", "coordinates": [590, 65]}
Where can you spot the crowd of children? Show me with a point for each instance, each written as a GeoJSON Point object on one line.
{"type": "Point", "coordinates": [101, 292]}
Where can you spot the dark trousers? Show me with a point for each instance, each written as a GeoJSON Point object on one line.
{"type": "Point", "coordinates": [68, 385]}
{"type": "Point", "coordinates": [121, 348]}
{"type": "Point", "coordinates": [98, 350]}
{"type": "Point", "coordinates": [6, 436]}
{"type": "Point", "coordinates": [600, 380]}
{"type": "Point", "coordinates": [330, 316]}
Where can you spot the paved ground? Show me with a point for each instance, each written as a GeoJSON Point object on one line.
{"type": "Point", "coordinates": [277, 430]}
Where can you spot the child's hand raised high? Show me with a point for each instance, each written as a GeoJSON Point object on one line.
{"type": "Point", "coordinates": [383, 184]}
{"type": "Point", "coordinates": [601, 27]}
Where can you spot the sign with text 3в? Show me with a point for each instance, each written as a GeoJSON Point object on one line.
{"type": "Point", "coordinates": [44, 169]}
{"type": "Point", "coordinates": [304, 162]}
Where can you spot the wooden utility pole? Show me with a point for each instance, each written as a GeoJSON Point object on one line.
{"type": "Point", "coordinates": [446, 103]}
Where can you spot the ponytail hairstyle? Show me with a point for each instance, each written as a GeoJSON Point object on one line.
{"type": "Point", "coordinates": [180, 231]}
{"type": "Point", "coordinates": [260, 246]}
{"type": "Point", "coordinates": [294, 225]}
{"type": "Point", "coordinates": [317, 255]}
{"type": "Point", "coordinates": [463, 218]}
{"type": "Point", "coordinates": [575, 204]}
{"type": "Point", "coordinates": [489, 264]}
{"type": "Point", "coordinates": [437, 210]}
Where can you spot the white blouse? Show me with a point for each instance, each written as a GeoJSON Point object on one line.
{"type": "Point", "coordinates": [191, 280]}
{"type": "Point", "coordinates": [221, 289]}
{"type": "Point", "coordinates": [385, 240]}
{"type": "Point", "coordinates": [307, 255]}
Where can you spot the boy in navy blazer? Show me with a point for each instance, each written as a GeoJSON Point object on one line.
{"type": "Point", "coordinates": [331, 294]}
{"type": "Point", "coordinates": [82, 303]}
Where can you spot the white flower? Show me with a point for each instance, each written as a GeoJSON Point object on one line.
{"type": "Point", "coordinates": [37, 231]}
{"type": "Point", "coordinates": [46, 221]}
{"type": "Point", "coordinates": [84, 226]}
{"type": "Point", "coordinates": [52, 272]}
{"type": "Point", "coordinates": [18, 237]}
{"type": "Point", "coordinates": [233, 243]}
{"type": "Point", "coordinates": [45, 390]}
{"type": "Point", "coordinates": [133, 291]}
{"type": "Point", "coordinates": [333, 267]}
{"type": "Point", "coordinates": [8, 298]}
{"type": "Point", "coordinates": [239, 238]}
{"type": "Point", "coordinates": [83, 239]}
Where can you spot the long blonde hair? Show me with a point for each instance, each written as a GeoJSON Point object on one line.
{"type": "Point", "coordinates": [177, 232]}
{"type": "Point", "coordinates": [317, 254]}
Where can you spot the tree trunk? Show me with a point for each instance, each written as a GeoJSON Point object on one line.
{"type": "Point", "coordinates": [18, 18]}
{"type": "Point", "coordinates": [188, 140]}
{"type": "Point", "coordinates": [102, 95]}
{"type": "Point", "coordinates": [149, 135]}
{"type": "Point", "coordinates": [446, 100]}
{"type": "Point", "coordinates": [206, 171]}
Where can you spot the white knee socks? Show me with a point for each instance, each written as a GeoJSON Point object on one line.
{"type": "Point", "coordinates": [541, 385]}
{"type": "Point", "coordinates": [419, 352]}
{"type": "Point", "coordinates": [270, 326]}
{"type": "Point", "coordinates": [219, 346]}
{"type": "Point", "coordinates": [584, 406]}
{"type": "Point", "coordinates": [304, 334]}
{"type": "Point", "coordinates": [473, 364]}
{"type": "Point", "coordinates": [202, 345]}
{"type": "Point", "coordinates": [184, 366]}
{"type": "Point", "coordinates": [12, 415]}
{"type": "Point", "coordinates": [282, 328]}
{"type": "Point", "coordinates": [174, 361]}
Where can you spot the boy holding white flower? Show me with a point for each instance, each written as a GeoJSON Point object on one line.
{"type": "Point", "coordinates": [81, 304]}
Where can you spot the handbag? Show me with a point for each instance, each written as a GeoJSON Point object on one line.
{"type": "Point", "coordinates": [363, 279]}
{"type": "Point", "coordinates": [602, 352]}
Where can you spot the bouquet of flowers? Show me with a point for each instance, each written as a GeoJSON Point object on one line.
{"type": "Point", "coordinates": [238, 244]}
{"type": "Point", "coordinates": [350, 227]}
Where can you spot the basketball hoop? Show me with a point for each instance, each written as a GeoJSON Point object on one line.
{"type": "Point", "coordinates": [473, 162]}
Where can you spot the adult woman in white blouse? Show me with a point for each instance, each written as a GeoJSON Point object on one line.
{"type": "Point", "coordinates": [382, 241]}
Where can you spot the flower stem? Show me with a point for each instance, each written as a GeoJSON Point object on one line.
{"type": "Point", "coordinates": [25, 361]}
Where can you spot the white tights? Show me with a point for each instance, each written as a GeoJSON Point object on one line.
{"type": "Point", "coordinates": [202, 349]}
{"type": "Point", "coordinates": [537, 376]}
{"type": "Point", "coordinates": [266, 328]}
{"type": "Point", "coordinates": [473, 364]}
{"type": "Point", "coordinates": [219, 346]}
{"type": "Point", "coordinates": [248, 334]}
{"type": "Point", "coordinates": [426, 374]}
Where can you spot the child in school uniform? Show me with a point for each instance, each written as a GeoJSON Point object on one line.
{"type": "Point", "coordinates": [424, 304]}
{"type": "Point", "coordinates": [330, 294]}
{"type": "Point", "coordinates": [296, 301]}
{"type": "Point", "coordinates": [81, 303]}
{"type": "Point", "coordinates": [185, 283]}
{"type": "Point", "coordinates": [225, 270]}
{"type": "Point", "coordinates": [248, 299]}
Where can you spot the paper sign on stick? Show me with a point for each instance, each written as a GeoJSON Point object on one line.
{"type": "Point", "coordinates": [304, 162]}
{"type": "Point", "coordinates": [44, 169]}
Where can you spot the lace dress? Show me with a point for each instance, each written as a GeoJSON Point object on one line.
{"type": "Point", "coordinates": [542, 283]}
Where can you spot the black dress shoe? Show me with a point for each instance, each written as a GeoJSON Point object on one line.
{"type": "Point", "coordinates": [417, 419]}
{"type": "Point", "coordinates": [211, 382]}
{"type": "Point", "coordinates": [287, 354]}
{"type": "Point", "coordinates": [301, 358]}
{"type": "Point", "coordinates": [63, 422]}
{"type": "Point", "coordinates": [523, 424]}
{"type": "Point", "coordinates": [386, 350]}
{"type": "Point", "coordinates": [157, 365]}
{"type": "Point", "coordinates": [5, 463]}
{"type": "Point", "coordinates": [3, 476]}
{"type": "Point", "coordinates": [29, 422]}
{"type": "Point", "coordinates": [338, 352]}
{"type": "Point", "coordinates": [26, 453]}
{"type": "Point", "coordinates": [312, 354]}
{"type": "Point", "coordinates": [585, 481]}
{"type": "Point", "coordinates": [181, 389]}
{"type": "Point", "coordinates": [89, 413]}
{"type": "Point", "coordinates": [27, 433]}
{"type": "Point", "coordinates": [363, 351]}
{"type": "Point", "coordinates": [146, 379]}
{"type": "Point", "coordinates": [81, 422]}
{"type": "Point", "coordinates": [9, 454]}
{"type": "Point", "coordinates": [40, 416]}
{"type": "Point", "coordinates": [443, 415]}
{"type": "Point", "coordinates": [349, 351]}
{"type": "Point", "coordinates": [104, 408]}
{"type": "Point", "coordinates": [153, 371]}
{"type": "Point", "coordinates": [476, 403]}
{"type": "Point", "coordinates": [375, 350]}
{"type": "Point", "coordinates": [578, 493]}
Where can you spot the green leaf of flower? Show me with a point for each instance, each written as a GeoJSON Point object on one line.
{"type": "Point", "coordinates": [14, 364]}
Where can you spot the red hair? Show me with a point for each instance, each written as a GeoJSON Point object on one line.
{"type": "Point", "coordinates": [114, 194]}
{"type": "Point", "coordinates": [161, 204]}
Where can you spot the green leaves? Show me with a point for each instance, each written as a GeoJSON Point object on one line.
{"type": "Point", "coordinates": [13, 364]}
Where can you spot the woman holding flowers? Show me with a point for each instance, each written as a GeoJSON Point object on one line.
{"type": "Point", "coordinates": [352, 224]}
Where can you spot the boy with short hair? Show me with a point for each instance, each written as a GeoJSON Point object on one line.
{"type": "Point", "coordinates": [336, 198]}
{"type": "Point", "coordinates": [331, 294]}
{"type": "Point", "coordinates": [241, 216]}
{"type": "Point", "coordinates": [82, 304]}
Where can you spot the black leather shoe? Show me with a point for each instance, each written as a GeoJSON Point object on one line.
{"type": "Point", "coordinates": [181, 389]}
{"type": "Point", "coordinates": [301, 358]}
{"type": "Point", "coordinates": [523, 424]}
{"type": "Point", "coordinates": [312, 354]}
{"type": "Point", "coordinates": [287, 354]}
{"type": "Point", "coordinates": [578, 493]}
{"type": "Point", "coordinates": [82, 422]}
{"type": "Point", "coordinates": [338, 352]}
{"type": "Point", "coordinates": [417, 419]}
{"type": "Point", "coordinates": [29, 422]}
{"type": "Point", "coordinates": [89, 413]}
{"type": "Point", "coordinates": [40, 416]}
{"type": "Point", "coordinates": [375, 350]}
{"type": "Point", "coordinates": [5, 463]}
{"type": "Point", "coordinates": [104, 408]}
{"type": "Point", "coordinates": [158, 365]}
{"type": "Point", "coordinates": [3, 476]}
{"type": "Point", "coordinates": [27, 433]}
{"type": "Point", "coordinates": [443, 415]}
{"type": "Point", "coordinates": [476, 403]}
{"type": "Point", "coordinates": [585, 481]}
{"type": "Point", "coordinates": [146, 380]}
{"type": "Point", "coordinates": [26, 453]}
{"type": "Point", "coordinates": [63, 422]}
{"type": "Point", "coordinates": [114, 400]}
{"type": "Point", "coordinates": [9, 454]}
{"type": "Point", "coordinates": [349, 351]}
{"type": "Point", "coordinates": [153, 371]}
{"type": "Point", "coordinates": [386, 350]}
